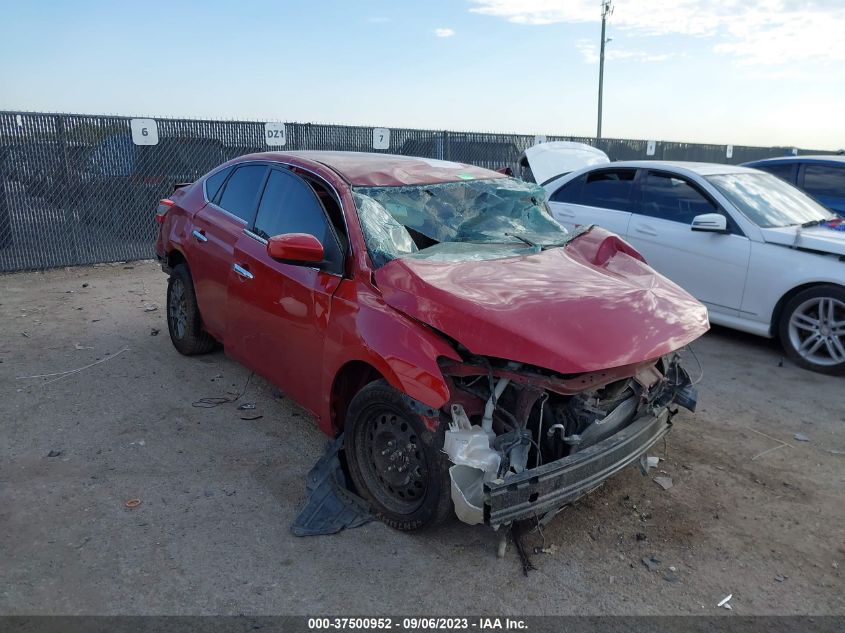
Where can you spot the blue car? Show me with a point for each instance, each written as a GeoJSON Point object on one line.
{"type": "Point", "coordinates": [822, 177]}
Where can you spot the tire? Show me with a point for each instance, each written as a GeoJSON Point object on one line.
{"type": "Point", "coordinates": [183, 315]}
{"type": "Point", "coordinates": [410, 499]}
{"type": "Point", "coordinates": [812, 329]}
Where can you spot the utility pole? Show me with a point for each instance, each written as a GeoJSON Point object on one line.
{"type": "Point", "coordinates": [606, 10]}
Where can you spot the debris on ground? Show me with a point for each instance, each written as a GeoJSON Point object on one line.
{"type": "Point", "coordinates": [663, 482]}
{"type": "Point", "coordinates": [150, 307]}
{"type": "Point", "coordinates": [154, 331]}
{"type": "Point", "coordinates": [671, 576]}
{"type": "Point", "coordinates": [81, 347]}
{"type": "Point", "coordinates": [647, 462]}
{"type": "Point", "coordinates": [251, 417]}
{"type": "Point", "coordinates": [331, 505]}
{"type": "Point", "coordinates": [54, 454]}
{"type": "Point", "coordinates": [651, 562]}
{"type": "Point", "coordinates": [640, 536]}
{"type": "Point", "coordinates": [550, 549]}
{"type": "Point", "coordinates": [801, 437]}
{"type": "Point", "coordinates": [132, 503]}
{"type": "Point", "coordinates": [780, 578]}
{"type": "Point", "coordinates": [85, 285]}
{"type": "Point", "coordinates": [725, 602]}
{"type": "Point", "coordinates": [246, 406]}
{"type": "Point", "coordinates": [61, 374]}
{"type": "Point", "coordinates": [516, 533]}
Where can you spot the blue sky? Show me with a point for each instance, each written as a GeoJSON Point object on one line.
{"type": "Point", "coordinates": [767, 72]}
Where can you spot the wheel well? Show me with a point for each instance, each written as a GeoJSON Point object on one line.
{"type": "Point", "coordinates": [785, 299]}
{"type": "Point", "coordinates": [352, 377]}
{"type": "Point", "coordinates": [174, 258]}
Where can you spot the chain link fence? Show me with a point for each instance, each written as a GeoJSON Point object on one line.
{"type": "Point", "coordinates": [77, 189]}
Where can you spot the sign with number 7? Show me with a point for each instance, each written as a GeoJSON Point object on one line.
{"type": "Point", "coordinates": [381, 138]}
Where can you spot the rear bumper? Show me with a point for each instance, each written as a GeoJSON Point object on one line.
{"type": "Point", "coordinates": [551, 486]}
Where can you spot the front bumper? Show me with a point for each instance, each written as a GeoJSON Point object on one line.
{"type": "Point", "coordinates": [551, 486]}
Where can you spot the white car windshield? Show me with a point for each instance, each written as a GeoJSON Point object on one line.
{"type": "Point", "coordinates": [768, 201]}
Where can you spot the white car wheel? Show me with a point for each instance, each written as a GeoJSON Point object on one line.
{"type": "Point", "coordinates": [813, 329]}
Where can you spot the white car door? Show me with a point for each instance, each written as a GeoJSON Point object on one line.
{"type": "Point", "coordinates": [602, 197]}
{"type": "Point", "coordinates": [711, 266]}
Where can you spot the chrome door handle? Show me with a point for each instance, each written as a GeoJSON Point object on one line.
{"type": "Point", "coordinates": [243, 272]}
{"type": "Point", "coordinates": [200, 237]}
{"type": "Point", "coordinates": [645, 231]}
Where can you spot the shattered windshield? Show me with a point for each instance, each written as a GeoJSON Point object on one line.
{"type": "Point", "coordinates": [426, 219]}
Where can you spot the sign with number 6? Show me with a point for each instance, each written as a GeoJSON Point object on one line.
{"type": "Point", "coordinates": [144, 131]}
{"type": "Point", "coordinates": [274, 133]}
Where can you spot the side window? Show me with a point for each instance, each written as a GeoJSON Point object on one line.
{"type": "Point", "coordinates": [672, 198]}
{"type": "Point", "coordinates": [289, 205]}
{"type": "Point", "coordinates": [824, 180]}
{"type": "Point", "coordinates": [784, 171]}
{"type": "Point", "coordinates": [570, 192]}
{"type": "Point", "coordinates": [214, 182]}
{"type": "Point", "coordinates": [241, 191]}
{"type": "Point", "coordinates": [610, 189]}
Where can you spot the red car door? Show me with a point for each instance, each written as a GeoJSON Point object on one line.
{"type": "Point", "coordinates": [217, 227]}
{"type": "Point", "coordinates": [278, 312]}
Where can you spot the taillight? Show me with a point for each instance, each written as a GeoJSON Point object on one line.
{"type": "Point", "coordinates": [163, 207]}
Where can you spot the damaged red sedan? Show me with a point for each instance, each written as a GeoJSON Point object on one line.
{"type": "Point", "coordinates": [477, 357]}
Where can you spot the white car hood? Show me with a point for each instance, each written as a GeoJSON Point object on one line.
{"type": "Point", "coordinates": [548, 160]}
{"type": "Point", "coordinates": [817, 238]}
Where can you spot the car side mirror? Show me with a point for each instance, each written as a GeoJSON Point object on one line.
{"type": "Point", "coordinates": [295, 248]}
{"type": "Point", "coordinates": [710, 222]}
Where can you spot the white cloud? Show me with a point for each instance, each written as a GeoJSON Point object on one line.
{"type": "Point", "coordinates": [753, 31]}
{"type": "Point", "coordinates": [444, 32]}
{"type": "Point", "coordinates": [590, 52]}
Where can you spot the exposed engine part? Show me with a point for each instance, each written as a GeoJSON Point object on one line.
{"type": "Point", "coordinates": [487, 420]}
{"type": "Point", "coordinates": [468, 447]}
{"type": "Point", "coordinates": [524, 415]}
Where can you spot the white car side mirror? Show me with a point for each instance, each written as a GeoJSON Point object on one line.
{"type": "Point", "coordinates": [712, 222]}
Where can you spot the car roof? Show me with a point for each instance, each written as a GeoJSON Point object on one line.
{"type": "Point", "coordinates": [814, 158]}
{"type": "Point", "coordinates": [386, 170]}
{"type": "Point", "coordinates": [701, 169]}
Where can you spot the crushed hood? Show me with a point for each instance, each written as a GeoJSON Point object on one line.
{"type": "Point", "coordinates": [817, 238]}
{"type": "Point", "coordinates": [591, 305]}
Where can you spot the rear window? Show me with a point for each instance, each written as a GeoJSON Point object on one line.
{"type": "Point", "coordinates": [608, 189]}
{"type": "Point", "coordinates": [214, 182]}
{"type": "Point", "coordinates": [570, 192]}
{"type": "Point", "coordinates": [784, 171]}
{"type": "Point", "coordinates": [825, 180]}
{"type": "Point", "coordinates": [241, 192]}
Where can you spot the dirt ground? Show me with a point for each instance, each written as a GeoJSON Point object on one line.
{"type": "Point", "coordinates": [218, 493]}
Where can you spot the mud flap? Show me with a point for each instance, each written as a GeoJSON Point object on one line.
{"type": "Point", "coordinates": [331, 505]}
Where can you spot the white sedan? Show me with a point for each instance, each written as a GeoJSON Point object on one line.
{"type": "Point", "coordinates": [760, 254]}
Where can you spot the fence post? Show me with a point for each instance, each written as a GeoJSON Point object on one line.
{"type": "Point", "coordinates": [60, 190]}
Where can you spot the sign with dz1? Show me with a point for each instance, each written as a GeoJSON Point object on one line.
{"type": "Point", "coordinates": [274, 133]}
